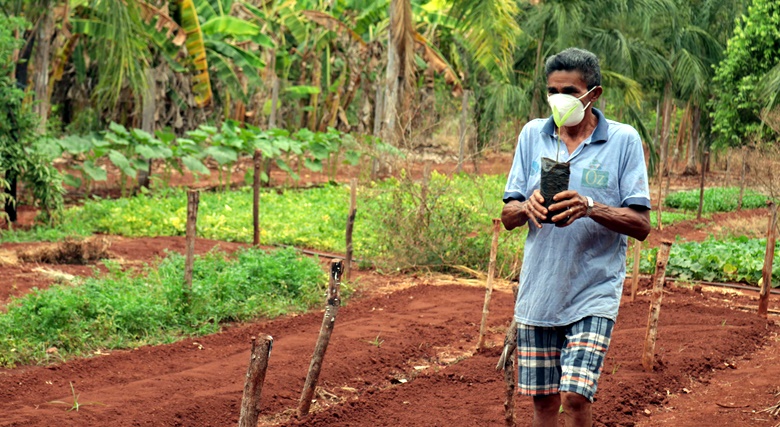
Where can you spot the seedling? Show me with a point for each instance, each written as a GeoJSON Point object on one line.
{"type": "Point", "coordinates": [723, 323]}
{"type": "Point", "coordinates": [75, 405]}
{"type": "Point", "coordinates": [376, 341]}
{"type": "Point", "coordinates": [615, 368]}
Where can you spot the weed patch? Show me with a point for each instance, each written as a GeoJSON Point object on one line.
{"type": "Point", "coordinates": [126, 309]}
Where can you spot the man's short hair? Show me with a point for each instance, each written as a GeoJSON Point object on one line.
{"type": "Point", "coordinates": [575, 59]}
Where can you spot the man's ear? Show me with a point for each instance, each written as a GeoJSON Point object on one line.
{"type": "Point", "coordinates": [597, 91]}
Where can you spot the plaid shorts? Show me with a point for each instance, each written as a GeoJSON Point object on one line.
{"type": "Point", "coordinates": [565, 358]}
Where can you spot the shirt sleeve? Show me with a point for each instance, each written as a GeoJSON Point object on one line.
{"type": "Point", "coordinates": [634, 189]}
{"type": "Point", "coordinates": [516, 184]}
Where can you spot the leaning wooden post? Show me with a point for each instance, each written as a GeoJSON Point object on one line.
{"type": "Point", "coordinates": [489, 287]}
{"type": "Point", "coordinates": [193, 198]}
{"type": "Point", "coordinates": [328, 321]}
{"type": "Point", "coordinates": [350, 226]}
{"type": "Point", "coordinates": [769, 256]}
{"type": "Point", "coordinates": [701, 185]}
{"type": "Point", "coordinates": [257, 163]}
{"type": "Point", "coordinates": [255, 376]}
{"type": "Point", "coordinates": [635, 271]}
{"type": "Point", "coordinates": [506, 362]}
{"type": "Point", "coordinates": [648, 356]}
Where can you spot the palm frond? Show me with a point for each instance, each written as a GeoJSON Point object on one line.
{"type": "Point", "coordinates": [196, 50]}
{"type": "Point", "coordinates": [631, 89]}
{"type": "Point", "coordinates": [491, 30]}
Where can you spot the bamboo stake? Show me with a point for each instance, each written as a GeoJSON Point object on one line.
{"type": "Point", "coordinates": [648, 356]}
{"type": "Point", "coordinates": [704, 164]}
{"type": "Point", "coordinates": [255, 376]}
{"type": "Point", "coordinates": [489, 287]}
{"type": "Point", "coordinates": [193, 198]}
{"type": "Point", "coordinates": [766, 276]}
{"type": "Point", "coordinates": [635, 273]}
{"type": "Point", "coordinates": [328, 322]}
{"type": "Point", "coordinates": [350, 226]}
{"type": "Point", "coordinates": [742, 179]}
{"type": "Point", "coordinates": [257, 163]}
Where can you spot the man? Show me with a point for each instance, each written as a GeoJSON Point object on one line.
{"type": "Point", "coordinates": [573, 270]}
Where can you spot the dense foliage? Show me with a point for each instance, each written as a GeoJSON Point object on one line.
{"type": "Point", "coordinates": [752, 52]}
{"type": "Point", "coordinates": [19, 163]}
{"type": "Point", "coordinates": [126, 309]}
{"type": "Point", "coordinates": [734, 260]}
{"type": "Point", "coordinates": [716, 199]}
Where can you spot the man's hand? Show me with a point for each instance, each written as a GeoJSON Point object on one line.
{"type": "Point", "coordinates": [573, 206]}
{"type": "Point", "coordinates": [516, 214]}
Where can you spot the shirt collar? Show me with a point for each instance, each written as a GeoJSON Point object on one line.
{"type": "Point", "coordinates": [599, 134]}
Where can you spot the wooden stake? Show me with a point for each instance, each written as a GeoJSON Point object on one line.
{"type": "Point", "coordinates": [328, 322]}
{"type": "Point", "coordinates": [648, 356]}
{"type": "Point", "coordinates": [255, 376]}
{"type": "Point", "coordinates": [660, 202]}
{"type": "Point", "coordinates": [489, 287]}
{"type": "Point", "coordinates": [635, 273]}
{"type": "Point", "coordinates": [742, 178]}
{"type": "Point", "coordinates": [701, 185]}
{"type": "Point", "coordinates": [463, 121]}
{"type": "Point", "coordinates": [769, 256]}
{"type": "Point", "coordinates": [257, 160]}
{"type": "Point", "coordinates": [506, 362]}
{"type": "Point", "coordinates": [350, 226]}
{"type": "Point", "coordinates": [193, 198]}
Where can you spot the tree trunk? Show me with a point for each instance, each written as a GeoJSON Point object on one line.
{"type": "Point", "coordinates": [41, 78]}
{"type": "Point", "coordinates": [147, 120]}
{"type": "Point", "coordinates": [666, 125]}
{"type": "Point", "coordinates": [400, 60]}
{"type": "Point", "coordinates": [693, 146]}
{"type": "Point", "coordinates": [315, 98]}
{"type": "Point", "coordinates": [535, 94]}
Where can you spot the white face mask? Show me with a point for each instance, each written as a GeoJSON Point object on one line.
{"type": "Point", "coordinates": [565, 103]}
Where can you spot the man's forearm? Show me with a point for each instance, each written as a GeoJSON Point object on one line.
{"type": "Point", "coordinates": [513, 215]}
{"type": "Point", "coordinates": [628, 221]}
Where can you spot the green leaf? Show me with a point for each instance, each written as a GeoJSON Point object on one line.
{"type": "Point", "coordinates": [72, 180]}
{"type": "Point", "coordinates": [352, 157]}
{"type": "Point", "coordinates": [153, 152]}
{"type": "Point", "coordinates": [119, 160]}
{"type": "Point", "coordinates": [143, 136]}
{"type": "Point", "coordinates": [194, 165]}
{"type": "Point", "coordinates": [229, 26]}
{"type": "Point", "coordinates": [95, 172]}
{"type": "Point", "coordinates": [223, 155]}
{"type": "Point", "coordinates": [118, 129]}
{"type": "Point", "coordinates": [75, 144]}
{"type": "Point", "coordinates": [313, 165]}
{"type": "Point", "coordinates": [302, 91]}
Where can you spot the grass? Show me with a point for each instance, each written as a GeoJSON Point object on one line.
{"type": "Point", "coordinates": [125, 309]}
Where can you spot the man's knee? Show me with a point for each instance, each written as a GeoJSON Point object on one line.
{"type": "Point", "coordinates": [574, 402]}
{"type": "Point", "coordinates": [547, 404]}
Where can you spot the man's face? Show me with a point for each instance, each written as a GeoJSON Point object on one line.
{"type": "Point", "coordinates": [570, 83]}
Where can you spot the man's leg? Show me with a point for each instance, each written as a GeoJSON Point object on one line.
{"type": "Point", "coordinates": [546, 410]}
{"type": "Point", "coordinates": [539, 373]}
{"type": "Point", "coordinates": [582, 357]}
{"type": "Point", "coordinates": [576, 410]}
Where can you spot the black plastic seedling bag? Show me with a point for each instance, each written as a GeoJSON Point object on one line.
{"type": "Point", "coordinates": [555, 178]}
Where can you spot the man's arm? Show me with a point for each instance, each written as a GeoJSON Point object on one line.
{"type": "Point", "coordinates": [631, 221]}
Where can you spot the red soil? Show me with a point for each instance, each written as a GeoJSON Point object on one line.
{"type": "Point", "coordinates": [715, 362]}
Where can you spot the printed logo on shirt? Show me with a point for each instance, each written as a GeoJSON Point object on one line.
{"type": "Point", "coordinates": [594, 178]}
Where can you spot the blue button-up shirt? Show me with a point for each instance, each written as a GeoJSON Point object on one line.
{"type": "Point", "coordinates": [577, 271]}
